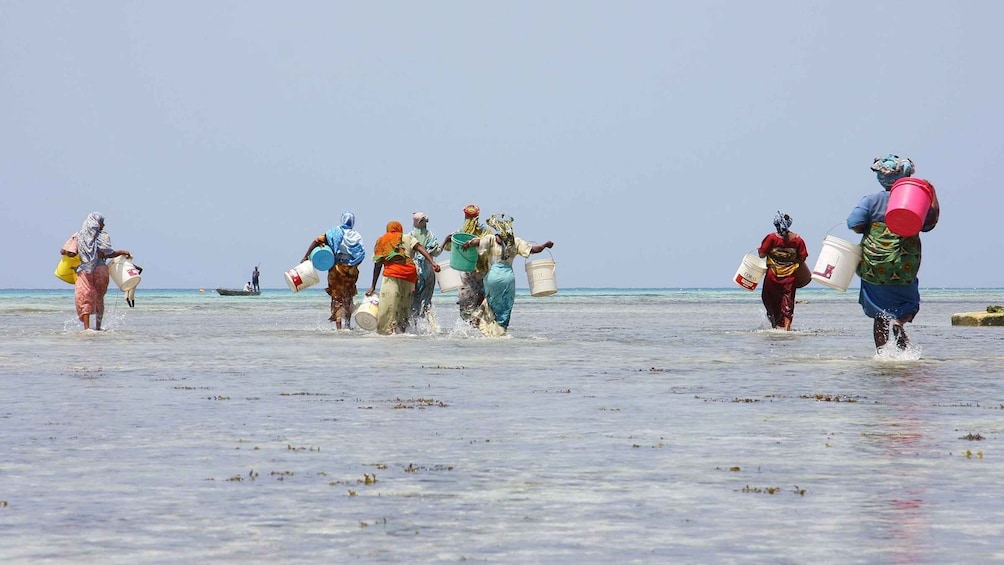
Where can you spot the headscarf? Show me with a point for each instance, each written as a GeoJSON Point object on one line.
{"type": "Point", "coordinates": [90, 240]}
{"type": "Point", "coordinates": [502, 224]}
{"type": "Point", "coordinates": [891, 168]}
{"type": "Point", "coordinates": [346, 243]}
{"type": "Point", "coordinates": [423, 235]}
{"type": "Point", "coordinates": [389, 244]}
{"type": "Point", "coordinates": [472, 221]}
{"type": "Point", "coordinates": [781, 223]}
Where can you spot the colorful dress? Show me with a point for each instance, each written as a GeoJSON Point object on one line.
{"type": "Point", "coordinates": [889, 263]}
{"type": "Point", "coordinates": [92, 274]}
{"type": "Point", "coordinates": [425, 285]}
{"type": "Point", "coordinates": [500, 281]}
{"type": "Point", "coordinates": [783, 258]}
{"type": "Point", "coordinates": [394, 250]}
{"type": "Point", "coordinates": [343, 276]}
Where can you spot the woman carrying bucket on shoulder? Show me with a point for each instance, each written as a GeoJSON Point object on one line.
{"type": "Point", "coordinates": [890, 290]}
{"type": "Point", "coordinates": [472, 289]}
{"type": "Point", "coordinates": [347, 246]}
{"type": "Point", "coordinates": [786, 254]}
{"type": "Point", "coordinates": [500, 249]}
{"type": "Point", "coordinates": [94, 245]}
{"type": "Point", "coordinates": [394, 255]}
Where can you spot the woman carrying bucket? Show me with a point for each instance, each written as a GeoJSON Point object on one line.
{"type": "Point", "coordinates": [472, 290]}
{"type": "Point", "coordinates": [786, 254]}
{"type": "Point", "coordinates": [347, 246]}
{"type": "Point", "coordinates": [500, 249]}
{"type": "Point", "coordinates": [890, 291]}
{"type": "Point", "coordinates": [394, 255]}
{"type": "Point", "coordinates": [93, 246]}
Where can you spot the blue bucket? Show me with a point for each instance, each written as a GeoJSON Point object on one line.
{"type": "Point", "coordinates": [322, 258]}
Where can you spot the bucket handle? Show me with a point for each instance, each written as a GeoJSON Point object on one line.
{"type": "Point", "coordinates": [532, 243]}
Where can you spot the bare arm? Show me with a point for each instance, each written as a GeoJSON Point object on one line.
{"type": "Point", "coordinates": [313, 244]}
{"type": "Point", "coordinates": [538, 248]}
{"type": "Point", "coordinates": [425, 253]}
{"type": "Point", "coordinates": [377, 267]}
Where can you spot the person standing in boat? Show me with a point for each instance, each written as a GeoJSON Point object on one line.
{"type": "Point", "coordinates": [254, 279]}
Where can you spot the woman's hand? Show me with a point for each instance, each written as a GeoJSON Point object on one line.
{"type": "Point", "coordinates": [435, 266]}
{"type": "Point", "coordinates": [370, 291]}
{"type": "Point", "coordinates": [470, 243]}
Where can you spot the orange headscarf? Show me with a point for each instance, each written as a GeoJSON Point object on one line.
{"type": "Point", "coordinates": [389, 243]}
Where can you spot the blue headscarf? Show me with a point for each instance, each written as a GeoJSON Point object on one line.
{"type": "Point", "coordinates": [781, 223]}
{"type": "Point", "coordinates": [345, 242]}
{"type": "Point", "coordinates": [891, 168]}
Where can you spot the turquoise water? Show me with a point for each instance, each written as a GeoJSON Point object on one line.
{"type": "Point", "coordinates": [643, 425]}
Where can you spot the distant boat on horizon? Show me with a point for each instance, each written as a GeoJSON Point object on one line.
{"type": "Point", "coordinates": [237, 292]}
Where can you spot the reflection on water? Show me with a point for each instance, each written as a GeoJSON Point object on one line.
{"type": "Point", "coordinates": [660, 426]}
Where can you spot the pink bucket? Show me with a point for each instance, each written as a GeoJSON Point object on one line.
{"type": "Point", "coordinates": [909, 201]}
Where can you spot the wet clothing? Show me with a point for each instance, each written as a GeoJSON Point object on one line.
{"type": "Point", "coordinates": [784, 255]}
{"type": "Point", "coordinates": [394, 251]}
{"type": "Point", "coordinates": [342, 288]}
{"type": "Point", "coordinates": [500, 282]}
{"type": "Point", "coordinates": [89, 292]}
{"type": "Point", "coordinates": [425, 282]}
{"type": "Point", "coordinates": [889, 262]}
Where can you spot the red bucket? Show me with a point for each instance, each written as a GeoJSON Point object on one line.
{"type": "Point", "coordinates": [909, 201]}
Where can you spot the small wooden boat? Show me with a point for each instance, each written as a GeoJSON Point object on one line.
{"type": "Point", "coordinates": [237, 292]}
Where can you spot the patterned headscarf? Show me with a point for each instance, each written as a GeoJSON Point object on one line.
{"type": "Point", "coordinates": [781, 223]}
{"type": "Point", "coordinates": [472, 221]}
{"type": "Point", "coordinates": [502, 225]}
{"type": "Point", "coordinates": [389, 243]}
{"type": "Point", "coordinates": [90, 239]}
{"type": "Point", "coordinates": [891, 168]}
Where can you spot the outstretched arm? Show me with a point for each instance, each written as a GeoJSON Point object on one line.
{"type": "Point", "coordinates": [538, 248]}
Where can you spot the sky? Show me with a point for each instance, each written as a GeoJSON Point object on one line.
{"type": "Point", "coordinates": [652, 141]}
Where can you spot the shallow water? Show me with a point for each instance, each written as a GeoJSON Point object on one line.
{"type": "Point", "coordinates": [610, 425]}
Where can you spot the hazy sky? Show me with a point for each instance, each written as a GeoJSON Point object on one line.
{"type": "Point", "coordinates": [652, 141]}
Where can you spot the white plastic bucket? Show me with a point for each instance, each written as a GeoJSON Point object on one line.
{"type": "Point", "coordinates": [123, 272]}
{"type": "Point", "coordinates": [366, 313]}
{"type": "Point", "coordinates": [837, 263]}
{"type": "Point", "coordinates": [448, 278]}
{"type": "Point", "coordinates": [302, 276]}
{"type": "Point", "coordinates": [751, 271]}
{"type": "Point", "coordinates": [540, 277]}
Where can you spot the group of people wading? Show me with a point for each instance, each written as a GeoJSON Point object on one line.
{"type": "Point", "coordinates": [408, 264]}
{"type": "Point", "coordinates": [890, 291]}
